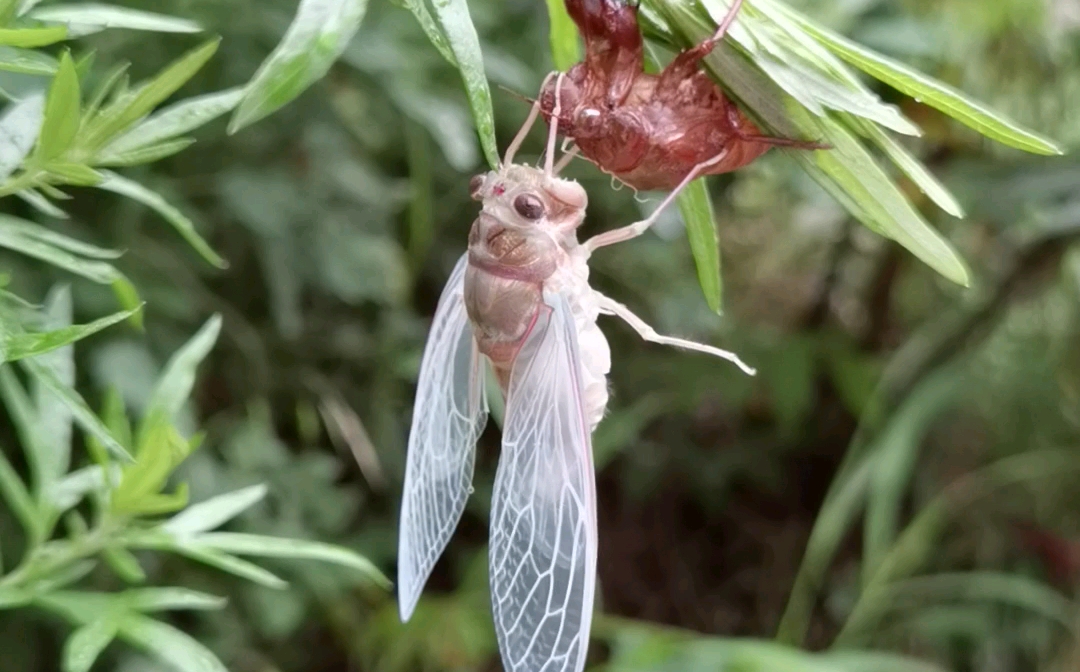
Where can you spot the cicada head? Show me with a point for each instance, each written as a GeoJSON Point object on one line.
{"type": "Point", "coordinates": [524, 197]}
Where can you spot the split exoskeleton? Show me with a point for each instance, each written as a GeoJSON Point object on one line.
{"type": "Point", "coordinates": [520, 299]}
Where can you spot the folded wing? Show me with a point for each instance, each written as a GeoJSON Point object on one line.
{"type": "Point", "coordinates": [543, 517]}
{"type": "Point", "coordinates": [448, 417]}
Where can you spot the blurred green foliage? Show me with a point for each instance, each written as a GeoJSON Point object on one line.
{"type": "Point", "coordinates": [895, 490]}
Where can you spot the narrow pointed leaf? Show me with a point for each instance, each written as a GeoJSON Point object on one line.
{"type": "Point", "coordinates": [91, 17]}
{"type": "Point", "coordinates": [174, 386]}
{"type": "Point", "coordinates": [457, 24]}
{"type": "Point", "coordinates": [277, 547]}
{"type": "Point", "coordinates": [928, 90]}
{"type": "Point", "coordinates": [563, 35]}
{"type": "Point", "coordinates": [175, 120]}
{"type": "Point", "coordinates": [170, 645]}
{"type": "Point", "coordinates": [135, 191]}
{"type": "Point", "coordinates": [84, 645]}
{"type": "Point", "coordinates": [80, 410]}
{"type": "Point", "coordinates": [62, 108]}
{"type": "Point", "coordinates": [695, 204]}
{"type": "Point", "coordinates": [32, 37]}
{"type": "Point", "coordinates": [214, 512]}
{"type": "Point", "coordinates": [316, 38]}
{"type": "Point", "coordinates": [33, 344]}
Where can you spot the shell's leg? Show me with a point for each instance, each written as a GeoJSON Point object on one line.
{"type": "Point", "coordinates": [553, 131]}
{"type": "Point", "coordinates": [637, 228]}
{"type": "Point", "coordinates": [613, 307]}
{"type": "Point", "coordinates": [685, 65]}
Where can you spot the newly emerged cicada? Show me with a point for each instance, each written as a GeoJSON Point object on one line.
{"type": "Point", "coordinates": [520, 298]}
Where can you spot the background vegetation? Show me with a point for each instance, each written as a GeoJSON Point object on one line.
{"type": "Point", "coordinates": [895, 490]}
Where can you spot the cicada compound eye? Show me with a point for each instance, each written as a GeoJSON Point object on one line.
{"type": "Point", "coordinates": [475, 185]}
{"type": "Point", "coordinates": [529, 206]}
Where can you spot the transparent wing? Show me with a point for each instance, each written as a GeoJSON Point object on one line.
{"type": "Point", "coordinates": [449, 414]}
{"type": "Point", "coordinates": [543, 512]}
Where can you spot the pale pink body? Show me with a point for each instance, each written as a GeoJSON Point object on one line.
{"type": "Point", "coordinates": [514, 258]}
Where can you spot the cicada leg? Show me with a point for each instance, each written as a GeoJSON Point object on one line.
{"type": "Point", "coordinates": [637, 228]}
{"type": "Point", "coordinates": [613, 307]}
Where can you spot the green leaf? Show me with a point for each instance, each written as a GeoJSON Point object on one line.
{"type": "Point", "coordinates": [880, 205]}
{"type": "Point", "coordinates": [27, 424]}
{"type": "Point", "coordinates": [15, 239]}
{"type": "Point", "coordinates": [32, 37]}
{"type": "Point", "coordinates": [27, 62]}
{"type": "Point", "coordinates": [431, 29]}
{"type": "Point", "coordinates": [41, 204]}
{"type": "Point", "coordinates": [318, 35]}
{"type": "Point", "coordinates": [74, 173]}
{"type": "Point", "coordinates": [174, 121]}
{"type": "Point", "coordinates": [278, 547]}
{"type": "Point", "coordinates": [19, 500]}
{"type": "Point", "coordinates": [133, 105]}
{"type": "Point", "coordinates": [19, 128]}
{"type": "Point", "coordinates": [214, 512]}
{"type": "Point", "coordinates": [91, 17]}
{"type": "Point", "coordinates": [80, 411]}
{"type": "Point", "coordinates": [52, 413]}
{"type": "Point", "coordinates": [927, 90]}
{"type": "Point", "coordinates": [62, 108]}
{"type": "Point", "coordinates": [914, 169]}
{"type": "Point", "coordinates": [171, 646]}
{"type": "Point", "coordinates": [84, 645]}
{"type": "Point", "coordinates": [563, 35]}
{"type": "Point", "coordinates": [148, 154]}
{"type": "Point", "coordinates": [174, 386]}
{"type": "Point", "coordinates": [125, 564]}
{"type": "Point", "coordinates": [231, 564]}
{"type": "Point", "coordinates": [697, 212]}
{"type": "Point", "coordinates": [135, 191]}
{"type": "Point", "coordinates": [22, 227]}
{"type": "Point", "coordinates": [168, 599]}
{"type": "Point", "coordinates": [456, 22]}
{"type": "Point", "coordinates": [159, 450]}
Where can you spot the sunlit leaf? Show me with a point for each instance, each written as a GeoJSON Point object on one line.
{"type": "Point", "coordinates": [19, 128]}
{"type": "Point", "coordinates": [80, 411]}
{"type": "Point", "coordinates": [168, 599]}
{"type": "Point", "coordinates": [277, 547]}
{"type": "Point", "coordinates": [214, 512]}
{"type": "Point", "coordinates": [147, 154]}
{"type": "Point", "coordinates": [316, 38]}
{"type": "Point", "coordinates": [84, 645]}
{"type": "Point", "coordinates": [135, 191]}
{"type": "Point", "coordinates": [173, 121]}
{"type": "Point", "coordinates": [27, 61]}
{"type": "Point", "coordinates": [178, 378]}
{"type": "Point", "coordinates": [91, 17]}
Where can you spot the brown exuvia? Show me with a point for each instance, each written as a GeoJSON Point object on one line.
{"type": "Point", "coordinates": [650, 131]}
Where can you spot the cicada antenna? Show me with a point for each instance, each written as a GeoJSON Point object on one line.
{"type": "Point", "coordinates": [553, 131]}
{"type": "Point", "coordinates": [515, 144]}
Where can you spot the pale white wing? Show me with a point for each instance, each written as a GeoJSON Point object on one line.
{"type": "Point", "coordinates": [448, 417]}
{"type": "Point", "coordinates": [543, 511]}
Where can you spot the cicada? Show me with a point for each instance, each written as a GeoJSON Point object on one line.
{"type": "Point", "coordinates": [651, 131]}
{"type": "Point", "coordinates": [519, 299]}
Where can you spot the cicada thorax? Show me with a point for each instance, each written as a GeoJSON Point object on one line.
{"type": "Point", "coordinates": [504, 286]}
